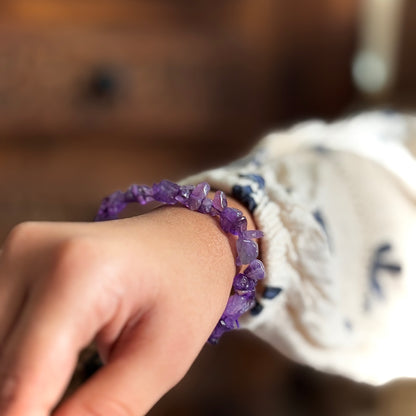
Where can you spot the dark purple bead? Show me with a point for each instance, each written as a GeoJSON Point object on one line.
{"type": "Point", "coordinates": [145, 194]}
{"type": "Point", "coordinates": [247, 251]}
{"type": "Point", "coordinates": [165, 191]}
{"type": "Point", "coordinates": [218, 331]}
{"type": "Point", "coordinates": [111, 206]}
{"type": "Point", "coordinates": [233, 221]}
{"type": "Point", "coordinates": [242, 283]}
{"type": "Point", "coordinates": [131, 194]}
{"type": "Point", "coordinates": [105, 212]}
{"type": "Point", "coordinates": [184, 193]}
{"type": "Point", "coordinates": [255, 270]}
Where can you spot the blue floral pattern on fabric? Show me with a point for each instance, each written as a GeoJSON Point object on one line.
{"type": "Point", "coordinates": [248, 190]}
{"type": "Point", "coordinates": [320, 220]}
{"type": "Point", "coordinates": [271, 292]}
{"type": "Point", "coordinates": [243, 194]}
{"type": "Point", "coordinates": [257, 308]}
{"type": "Point", "coordinates": [255, 178]}
{"type": "Point", "coordinates": [379, 263]}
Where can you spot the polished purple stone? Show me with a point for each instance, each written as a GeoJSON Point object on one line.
{"type": "Point", "coordinates": [184, 193]}
{"type": "Point", "coordinates": [132, 193]}
{"type": "Point", "coordinates": [250, 234]}
{"type": "Point", "coordinates": [197, 196]}
{"type": "Point", "coordinates": [218, 331]}
{"type": "Point", "coordinates": [247, 251]}
{"type": "Point", "coordinates": [206, 206]}
{"type": "Point", "coordinates": [233, 221]}
{"type": "Point", "coordinates": [255, 270]}
{"type": "Point", "coordinates": [243, 283]}
{"type": "Point", "coordinates": [145, 194]}
{"type": "Point", "coordinates": [237, 305]}
{"type": "Point", "coordinates": [220, 201]}
{"type": "Point", "coordinates": [166, 192]}
{"type": "Point", "coordinates": [112, 206]}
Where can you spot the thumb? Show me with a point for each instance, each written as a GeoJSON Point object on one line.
{"type": "Point", "coordinates": [141, 368]}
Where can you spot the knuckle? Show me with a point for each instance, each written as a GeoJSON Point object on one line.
{"type": "Point", "coordinates": [76, 252]}
{"type": "Point", "coordinates": [71, 257]}
{"type": "Point", "coordinates": [19, 234]}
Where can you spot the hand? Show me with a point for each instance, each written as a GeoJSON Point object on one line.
{"type": "Point", "coordinates": [148, 290]}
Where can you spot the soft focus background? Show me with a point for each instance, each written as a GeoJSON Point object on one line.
{"type": "Point", "coordinates": [96, 95]}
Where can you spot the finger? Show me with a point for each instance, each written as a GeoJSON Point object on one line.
{"type": "Point", "coordinates": [141, 370]}
{"type": "Point", "coordinates": [58, 320]}
{"type": "Point", "coordinates": [16, 254]}
{"type": "Point", "coordinates": [37, 363]}
{"type": "Point", "coordinates": [12, 299]}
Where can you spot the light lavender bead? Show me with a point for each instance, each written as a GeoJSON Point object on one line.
{"type": "Point", "coordinates": [255, 270]}
{"type": "Point", "coordinates": [247, 251]}
{"type": "Point", "coordinates": [237, 305]}
{"type": "Point", "coordinates": [253, 234]}
{"type": "Point", "coordinates": [206, 206]}
{"type": "Point", "coordinates": [197, 196]}
{"type": "Point", "coordinates": [220, 201]}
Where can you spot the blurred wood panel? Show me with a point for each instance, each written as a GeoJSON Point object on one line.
{"type": "Point", "coordinates": [174, 70]}
{"type": "Point", "coordinates": [404, 91]}
{"type": "Point", "coordinates": [66, 181]}
{"type": "Point", "coordinates": [81, 80]}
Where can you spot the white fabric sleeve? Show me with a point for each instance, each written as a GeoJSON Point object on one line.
{"type": "Point", "coordinates": [337, 204]}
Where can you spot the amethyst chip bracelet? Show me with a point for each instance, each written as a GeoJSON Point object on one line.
{"type": "Point", "coordinates": [231, 221]}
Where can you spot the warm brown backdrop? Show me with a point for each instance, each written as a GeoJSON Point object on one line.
{"type": "Point", "coordinates": [95, 95]}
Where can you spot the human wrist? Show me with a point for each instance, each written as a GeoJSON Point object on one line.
{"type": "Point", "coordinates": [231, 220]}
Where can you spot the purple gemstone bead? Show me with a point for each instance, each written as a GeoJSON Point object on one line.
{"type": "Point", "coordinates": [131, 194]}
{"type": "Point", "coordinates": [114, 204]}
{"type": "Point", "coordinates": [220, 201]}
{"type": "Point", "coordinates": [255, 270]}
{"type": "Point", "coordinates": [250, 234]}
{"type": "Point", "coordinates": [237, 305]}
{"type": "Point", "coordinates": [145, 194]}
{"type": "Point", "coordinates": [243, 283]}
{"type": "Point", "coordinates": [233, 221]}
{"type": "Point", "coordinates": [184, 193]}
{"type": "Point", "coordinates": [247, 251]}
{"type": "Point", "coordinates": [104, 211]}
{"type": "Point", "coordinates": [165, 191]}
{"type": "Point", "coordinates": [198, 195]}
{"type": "Point", "coordinates": [205, 207]}
{"type": "Point", "coordinates": [218, 331]}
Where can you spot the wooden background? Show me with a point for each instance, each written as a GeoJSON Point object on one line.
{"type": "Point", "coordinates": [96, 95]}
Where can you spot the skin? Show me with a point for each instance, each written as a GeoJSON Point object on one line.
{"type": "Point", "coordinates": [148, 290]}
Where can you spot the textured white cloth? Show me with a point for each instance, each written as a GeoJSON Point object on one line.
{"type": "Point", "coordinates": [337, 203]}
